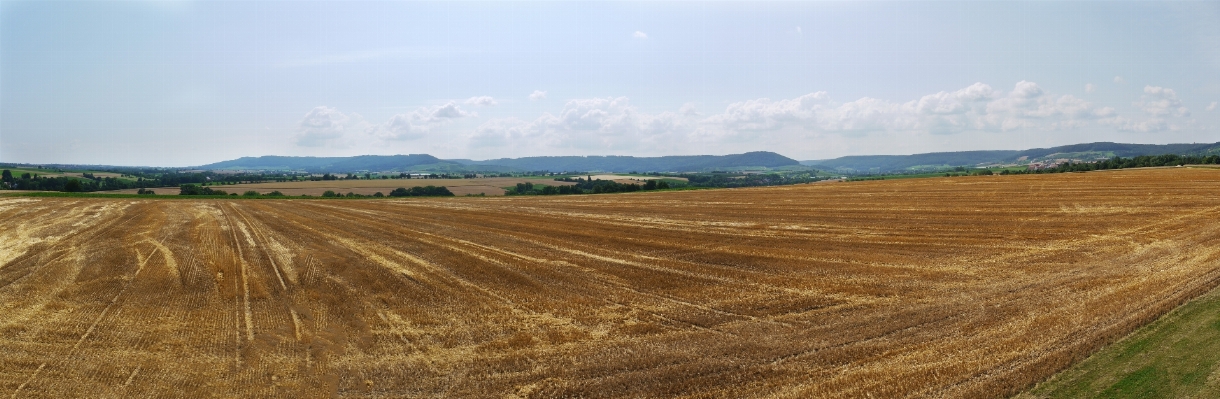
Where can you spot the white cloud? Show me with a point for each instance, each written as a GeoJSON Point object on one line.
{"type": "Point", "coordinates": [416, 124]}
{"type": "Point", "coordinates": [538, 95]}
{"type": "Point", "coordinates": [1119, 80]}
{"type": "Point", "coordinates": [1027, 107]}
{"type": "Point", "coordinates": [610, 125]}
{"type": "Point", "coordinates": [482, 101]}
{"type": "Point", "coordinates": [595, 124]}
{"type": "Point", "coordinates": [1149, 125]}
{"type": "Point", "coordinates": [639, 35]}
{"type": "Point", "coordinates": [1211, 107]}
{"type": "Point", "coordinates": [1089, 88]}
{"type": "Point", "coordinates": [688, 109]}
{"type": "Point", "coordinates": [603, 125]}
{"type": "Point", "coordinates": [328, 127]}
{"type": "Point", "coordinates": [1159, 101]}
{"type": "Point", "coordinates": [977, 107]}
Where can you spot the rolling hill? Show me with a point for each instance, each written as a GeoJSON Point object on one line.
{"type": "Point", "coordinates": [424, 162]}
{"type": "Point", "coordinates": [327, 164]}
{"type": "Point", "coordinates": [680, 163]}
{"type": "Point", "coordinates": [935, 160]}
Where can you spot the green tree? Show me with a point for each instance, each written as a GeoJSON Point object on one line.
{"type": "Point", "coordinates": [72, 186]}
{"type": "Point", "coordinates": [6, 176]}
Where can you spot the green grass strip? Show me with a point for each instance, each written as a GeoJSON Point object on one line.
{"type": "Point", "coordinates": [1177, 356]}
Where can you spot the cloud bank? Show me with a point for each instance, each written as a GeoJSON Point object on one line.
{"type": "Point", "coordinates": [615, 125]}
{"type": "Point", "coordinates": [328, 127]}
{"type": "Point", "coordinates": [482, 101]}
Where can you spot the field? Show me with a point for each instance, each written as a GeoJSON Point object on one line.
{"type": "Point", "coordinates": [459, 187]}
{"type": "Point", "coordinates": [946, 287]}
{"type": "Point", "coordinates": [52, 173]}
{"type": "Point", "coordinates": [1178, 356]}
{"type": "Point", "coordinates": [632, 179]}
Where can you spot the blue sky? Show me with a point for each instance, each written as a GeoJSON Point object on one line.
{"type": "Point", "coordinates": [183, 83]}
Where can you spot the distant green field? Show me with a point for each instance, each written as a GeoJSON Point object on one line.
{"type": "Point", "coordinates": [65, 172]}
{"type": "Point", "coordinates": [40, 172]}
{"type": "Point", "coordinates": [1177, 356]}
{"type": "Point", "coordinates": [1085, 155]}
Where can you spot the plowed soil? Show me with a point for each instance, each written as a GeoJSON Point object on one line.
{"type": "Point", "coordinates": [953, 287]}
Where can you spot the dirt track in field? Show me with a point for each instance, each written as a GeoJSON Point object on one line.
{"type": "Point", "coordinates": [953, 287]}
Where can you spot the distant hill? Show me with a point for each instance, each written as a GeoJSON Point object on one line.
{"type": "Point", "coordinates": [424, 162]}
{"type": "Point", "coordinates": [934, 160]}
{"type": "Point", "coordinates": [329, 164]}
{"type": "Point", "coordinates": [673, 163]}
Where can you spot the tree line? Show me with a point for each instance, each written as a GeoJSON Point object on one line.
{"type": "Point", "coordinates": [585, 186]}
{"type": "Point", "coordinates": [1143, 161]}
{"type": "Point", "coordinates": [731, 180]}
{"type": "Point", "coordinates": [425, 191]}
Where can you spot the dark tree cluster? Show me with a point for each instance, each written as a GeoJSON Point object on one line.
{"type": "Point", "coordinates": [585, 186]}
{"type": "Point", "coordinates": [195, 189]}
{"type": "Point", "coordinates": [425, 191]}
{"type": "Point", "coordinates": [729, 180]}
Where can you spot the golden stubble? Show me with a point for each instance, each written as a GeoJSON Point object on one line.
{"type": "Point", "coordinates": [954, 287]}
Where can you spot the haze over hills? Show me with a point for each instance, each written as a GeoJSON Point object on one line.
{"type": "Point", "coordinates": [424, 162]}
{"type": "Point", "coordinates": [675, 163]}
{"type": "Point", "coordinates": [327, 164]}
{"type": "Point", "coordinates": [938, 160]}
{"type": "Point", "coordinates": [689, 163]}
{"type": "Point", "coordinates": [693, 163]}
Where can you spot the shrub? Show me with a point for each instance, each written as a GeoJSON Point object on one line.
{"type": "Point", "coordinates": [275, 193]}
{"type": "Point", "coordinates": [379, 194]}
{"type": "Point", "coordinates": [195, 189]}
{"type": "Point", "coordinates": [329, 193]}
{"type": "Point", "coordinates": [250, 193]}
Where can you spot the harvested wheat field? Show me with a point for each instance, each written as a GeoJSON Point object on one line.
{"type": "Point", "coordinates": [946, 287]}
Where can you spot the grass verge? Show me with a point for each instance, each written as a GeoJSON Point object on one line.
{"type": "Point", "coordinates": [1177, 356]}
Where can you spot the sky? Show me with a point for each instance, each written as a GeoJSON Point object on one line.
{"type": "Point", "coordinates": [183, 83]}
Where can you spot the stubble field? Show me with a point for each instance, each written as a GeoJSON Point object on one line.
{"type": "Point", "coordinates": [954, 287]}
